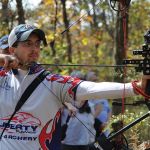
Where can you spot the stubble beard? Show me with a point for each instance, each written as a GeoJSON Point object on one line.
{"type": "Point", "coordinates": [25, 64]}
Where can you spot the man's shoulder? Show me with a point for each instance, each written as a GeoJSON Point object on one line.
{"type": "Point", "coordinates": [60, 78]}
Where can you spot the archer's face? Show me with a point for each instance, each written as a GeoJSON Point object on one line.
{"type": "Point", "coordinates": [28, 51]}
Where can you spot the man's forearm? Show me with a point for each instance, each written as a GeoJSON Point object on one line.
{"type": "Point", "coordinates": [109, 90]}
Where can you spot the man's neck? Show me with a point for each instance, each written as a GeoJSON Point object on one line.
{"type": "Point", "coordinates": [24, 65]}
{"type": "Point", "coordinates": [32, 68]}
{"type": "Point", "coordinates": [24, 68]}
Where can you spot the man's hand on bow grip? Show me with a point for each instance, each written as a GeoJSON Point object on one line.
{"type": "Point", "coordinates": [144, 82]}
{"type": "Point", "coordinates": [8, 62]}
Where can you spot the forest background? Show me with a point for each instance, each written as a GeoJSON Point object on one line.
{"type": "Point", "coordinates": [96, 35]}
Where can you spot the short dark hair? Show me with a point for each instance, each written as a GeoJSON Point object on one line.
{"type": "Point", "coordinates": [15, 44]}
{"type": "Point", "coordinates": [85, 108]}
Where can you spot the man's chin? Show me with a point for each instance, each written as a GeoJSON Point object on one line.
{"type": "Point", "coordinates": [25, 65]}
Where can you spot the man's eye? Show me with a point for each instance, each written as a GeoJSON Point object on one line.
{"type": "Point", "coordinates": [38, 43]}
{"type": "Point", "coordinates": [28, 43]}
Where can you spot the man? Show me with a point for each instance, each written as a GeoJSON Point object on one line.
{"type": "Point", "coordinates": [4, 47]}
{"type": "Point", "coordinates": [37, 124]}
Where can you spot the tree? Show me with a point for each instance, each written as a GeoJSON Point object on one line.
{"type": "Point", "coordinates": [4, 17]}
{"type": "Point", "coordinates": [52, 43]}
{"type": "Point", "coordinates": [68, 37]}
{"type": "Point", "coordinates": [20, 10]}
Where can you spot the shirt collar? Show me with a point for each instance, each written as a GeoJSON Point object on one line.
{"type": "Point", "coordinates": [34, 68]}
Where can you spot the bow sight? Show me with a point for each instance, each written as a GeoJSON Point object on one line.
{"type": "Point", "coordinates": [143, 64]}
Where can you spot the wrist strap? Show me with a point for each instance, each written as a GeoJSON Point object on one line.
{"type": "Point", "coordinates": [139, 90]}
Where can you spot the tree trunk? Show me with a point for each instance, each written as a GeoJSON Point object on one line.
{"type": "Point", "coordinates": [52, 43]}
{"type": "Point", "coordinates": [68, 37]}
{"type": "Point", "coordinates": [4, 17]}
{"type": "Point", "coordinates": [20, 10]}
{"type": "Point", "coordinates": [95, 22]}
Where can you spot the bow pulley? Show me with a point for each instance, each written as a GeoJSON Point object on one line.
{"type": "Point", "coordinates": [119, 5]}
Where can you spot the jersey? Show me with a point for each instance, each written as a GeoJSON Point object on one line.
{"type": "Point", "coordinates": [37, 124]}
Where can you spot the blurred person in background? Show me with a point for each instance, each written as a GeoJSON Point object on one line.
{"type": "Point", "coordinates": [4, 47]}
{"type": "Point", "coordinates": [78, 74]}
{"type": "Point", "coordinates": [79, 134]}
{"type": "Point", "coordinates": [101, 107]}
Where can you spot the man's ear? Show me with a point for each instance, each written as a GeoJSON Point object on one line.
{"type": "Point", "coordinates": [11, 50]}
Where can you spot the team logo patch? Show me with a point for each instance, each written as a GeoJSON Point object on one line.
{"type": "Point", "coordinates": [72, 82]}
{"type": "Point", "coordinates": [21, 123]}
